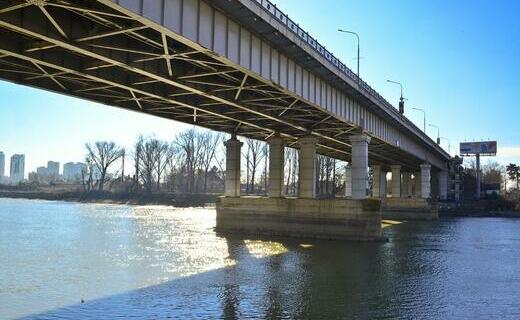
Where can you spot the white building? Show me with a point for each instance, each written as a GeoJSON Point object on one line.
{"type": "Point", "coordinates": [73, 172]}
{"type": "Point", "coordinates": [17, 171]}
{"type": "Point", "coordinates": [2, 164]}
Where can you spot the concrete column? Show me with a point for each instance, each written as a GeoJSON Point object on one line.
{"type": "Point", "coordinates": [406, 184]}
{"type": "Point", "coordinates": [443, 184]}
{"type": "Point", "coordinates": [383, 184]}
{"type": "Point", "coordinates": [434, 184]}
{"type": "Point", "coordinates": [376, 183]}
{"type": "Point", "coordinates": [410, 184]}
{"type": "Point", "coordinates": [307, 167]}
{"type": "Point", "coordinates": [276, 164]}
{"type": "Point", "coordinates": [417, 184]}
{"type": "Point", "coordinates": [348, 181]}
{"type": "Point", "coordinates": [359, 165]}
{"type": "Point", "coordinates": [232, 182]}
{"type": "Point", "coordinates": [396, 181]}
{"type": "Point", "coordinates": [425, 181]}
{"type": "Point", "coordinates": [457, 188]}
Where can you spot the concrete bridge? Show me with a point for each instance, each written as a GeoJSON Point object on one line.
{"type": "Point", "coordinates": [239, 66]}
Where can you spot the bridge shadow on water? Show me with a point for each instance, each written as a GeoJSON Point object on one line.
{"type": "Point", "coordinates": [311, 280]}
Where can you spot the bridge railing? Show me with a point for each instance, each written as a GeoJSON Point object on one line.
{"type": "Point", "coordinates": [271, 8]}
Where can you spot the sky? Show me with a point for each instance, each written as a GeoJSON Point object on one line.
{"type": "Point", "coordinates": [458, 60]}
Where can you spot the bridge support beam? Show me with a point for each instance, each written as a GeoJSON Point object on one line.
{"type": "Point", "coordinates": [307, 167]}
{"type": "Point", "coordinates": [359, 165]}
{"type": "Point", "coordinates": [425, 181]}
{"type": "Point", "coordinates": [348, 181]}
{"type": "Point", "coordinates": [406, 185]}
{"type": "Point", "coordinates": [232, 182]}
{"type": "Point", "coordinates": [276, 164]}
{"type": "Point", "coordinates": [396, 181]}
{"type": "Point", "coordinates": [443, 184]}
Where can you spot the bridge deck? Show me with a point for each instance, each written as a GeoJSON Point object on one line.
{"type": "Point", "coordinates": [104, 52]}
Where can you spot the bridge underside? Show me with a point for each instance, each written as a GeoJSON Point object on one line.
{"type": "Point", "coordinates": [99, 51]}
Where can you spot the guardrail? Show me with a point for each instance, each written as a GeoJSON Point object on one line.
{"type": "Point", "coordinates": [271, 8]}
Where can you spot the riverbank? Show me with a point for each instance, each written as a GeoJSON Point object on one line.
{"type": "Point", "coordinates": [133, 198]}
{"type": "Point", "coordinates": [484, 208]}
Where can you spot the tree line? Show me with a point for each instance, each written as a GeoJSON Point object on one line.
{"type": "Point", "coordinates": [194, 162]}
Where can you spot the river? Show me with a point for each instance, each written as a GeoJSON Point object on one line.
{"type": "Point", "coordinates": [64, 260]}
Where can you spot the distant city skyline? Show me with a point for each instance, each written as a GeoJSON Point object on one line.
{"type": "Point", "coordinates": [467, 86]}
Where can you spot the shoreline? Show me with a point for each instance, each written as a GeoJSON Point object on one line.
{"type": "Point", "coordinates": [183, 200]}
{"type": "Point", "coordinates": [168, 199]}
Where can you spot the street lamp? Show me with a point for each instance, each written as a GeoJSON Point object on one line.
{"type": "Point", "coordinates": [424, 118]}
{"type": "Point", "coordinates": [401, 101]}
{"type": "Point", "coordinates": [449, 144]}
{"type": "Point", "coordinates": [357, 36]}
{"type": "Point", "coordinates": [438, 132]}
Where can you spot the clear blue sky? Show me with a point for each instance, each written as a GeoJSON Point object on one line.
{"type": "Point", "coordinates": [459, 60]}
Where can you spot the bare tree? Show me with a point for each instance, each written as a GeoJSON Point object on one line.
{"type": "Point", "coordinates": [188, 143]}
{"type": "Point", "coordinates": [209, 144]}
{"type": "Point", "coordinates": [138, 149]}
{"type": "Point", "coordinates": [254, 157]}
{"type": "Point", "coordinates": [103, 154]}
{"type": "Point", "coordinates": [291, 170]}
{"type": "Point", "coordinates": [162, 153]}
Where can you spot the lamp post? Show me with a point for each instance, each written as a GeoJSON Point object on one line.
{"type": "Point", "coordinates": [357, 37]}
{"type": "Point", "coordinates": [438, 132]}
{"type": "Point", "coordinates": [449, 144]}
{"type": "Point", "coordinates": [401, 100]}
{"type": "Point", "coordinates": [424, 117]}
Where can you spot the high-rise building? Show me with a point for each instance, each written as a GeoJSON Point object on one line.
{"type": "Point", "coordinates": [73, 172]}
{"type": "Point", "coordinates": [53, 168]}
{"type": "Point", "coordinates": [2, 164]}
{"type": "Point", "coordinates": [42, 171]}
{"type": "Point", "coordinates": [17, 171]}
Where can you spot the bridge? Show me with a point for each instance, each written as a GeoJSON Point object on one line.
{"type": "Point", "coordinates": [238, 66]}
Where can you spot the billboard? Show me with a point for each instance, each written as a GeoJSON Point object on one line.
{"type": "Point", "coordinates": [481, 147]}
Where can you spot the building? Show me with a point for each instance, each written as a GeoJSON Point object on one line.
{"type": "Point", "coordinates": [42, 171]}
{"type": "Point", "coordinates": [17, 171]}
{"type": "Point", "coordinates": [73, 172]}
{"type": "Point", "coordinates": [3, 179]}
{"type": "Point", "coordinates": [53, 169]}
{"type": "Point", "coordinates": [50, 173]}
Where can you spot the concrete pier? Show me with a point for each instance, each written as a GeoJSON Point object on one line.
{"type": "Point", "coordinates": [406, 185]}
{"type": "Point", "coordinates": [425, 181]}
{"type": "Point", "coordinates": [233, 155]}
{"type": "Point", "coordinates": [335, 219]}
{"type": "Point", "coordinates": [307, 167]}
{"type": "Point", "coordinates": [443, 184]}
{"type": "Point", "coordinates": [360, 165]}
{"type": "Point", "coordinates": [409, 209]}
{"type": "Point", "coordinates": [417, 184]}
{"type": "Point", "coordinates": [276, 164]}
{"type": "Point", "coordinates": [376, 182]}
{"type": "Point", "coordinates": [348, 181]}
{"type": "Point", "coordinates": [396, 181]}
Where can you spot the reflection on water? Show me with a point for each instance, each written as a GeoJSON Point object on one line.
{"type": "Point", "coordinates": [160, 262]}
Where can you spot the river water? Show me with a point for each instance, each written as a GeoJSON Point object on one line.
{"type": "Point", "coordinates": [156, 262]}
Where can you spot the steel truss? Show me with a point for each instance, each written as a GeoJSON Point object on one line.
{"type": "Point", "coordinates": [92, 50]}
